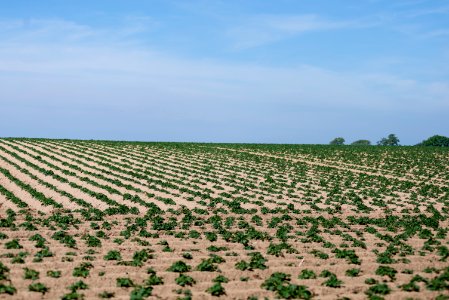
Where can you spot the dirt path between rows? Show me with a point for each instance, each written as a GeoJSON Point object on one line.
{"type": "Point", "coordinates": [332, 166]}
{"type": "Point", "coordinates": [6, 204]}
{"type": "Point", "coordinates": [24, 195]}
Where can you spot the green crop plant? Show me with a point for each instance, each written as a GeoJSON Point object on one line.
{"type": "Point", "coordinates": [319, 254]}
{"type": "Point", "coordinates": [387, 271]}
{"type": "Point", "coordinates": [184, 280]}
{"type": "Point", "coordinates": [207, 265]}
{"type": "Point", "coordinates": [280, 283]}
{"type": "Point", "coordinates": [124, 282]}
{"type": "Point", "coordinates": [7, 289]}
{"type": "Point", "coordinates": [83, 270]}
{"type": "Point", "coordinates": [4, 272]}
{"type": "Point", "coordinates": [30, 274]}
{"type": "Point", "coordinates": [307, 274]}
{"type": "Point", "coordinates": [54, 273]}
{"type": "Point", "coordinates": [13, 244]}
{"type": "Point", "coordinates": [378, 289]}
{"type": "Point", "coordinates": [153, 279]}
{"type": "Point", "coordinates": [257, 261]}
{"type": "Point", "coordinates": [220, 279]}
{"type": "Point", "coordinates": [113, 255]}
{"type": "Point", "coordinates": [333, 282]}
{"type": "Point", "coordinates": [38, 287]}
{"type": "Point", "coordinates": [79, 285]}
{"type": "Point", "coordinates": [19, 258]}
{"type": "Point", "coordinates": [216, 290]}
{"type": "Point", "coordinates": [179, 267]}
{"type": "Point", "coordinates": [275, 280]}
{"type": "Point", "coordinates": [140, 292]}
{"type": "Point", "coordinates": [353, 272]}
{"type": "Point", "coordinates": [106, 295]}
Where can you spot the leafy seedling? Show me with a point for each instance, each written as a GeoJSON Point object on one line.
{"type": "Point", "coordinates": [38, 287]}
{"type": "Point", "coordinates": [179, 267]}
{"type": "Point", "coordinates": [216, 290]}
{"type": "Point", "coordinates": [184, 280]}
{"type": "Point", "coordinates": [307, 274]}
{"type": "Point", "coordinates": [124, 282]}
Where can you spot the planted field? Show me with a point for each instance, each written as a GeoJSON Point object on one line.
{"type": "Point", "coordinates": [85, 219]}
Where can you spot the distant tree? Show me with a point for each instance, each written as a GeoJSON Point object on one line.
{"type": "Point", "coordinates": [435, 141]}
{"type": "Point", "coordinates": [361, 143]}
{"type": "Point", "coordinates": [391, 140]}
{"type": "Point", "coordinates": [337, 141]}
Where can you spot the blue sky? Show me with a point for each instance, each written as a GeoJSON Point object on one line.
{"type": "Point", "coordinates": [284, 71]}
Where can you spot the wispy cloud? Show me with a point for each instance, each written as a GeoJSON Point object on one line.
{"type": "Point", "coordinates": [443, 32]}
{"type": "Point", "coordinates": [441, 10]}
{"type": "Point", "coordinates": [57, 67]}
{"type": "Point", "coordinates": [136, 24]}
{"type": "Point", "coordinates": [31, 30]}
{"type": "Point", "coordinates": [110, 71]}
{"type": "Point", "coordinates": [258, 30]}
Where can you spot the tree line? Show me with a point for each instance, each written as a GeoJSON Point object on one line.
{"type": "Point", "coordinates": [393, 140]}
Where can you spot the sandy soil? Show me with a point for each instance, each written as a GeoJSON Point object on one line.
{"type": "Point", "coordinates": [320, 192]}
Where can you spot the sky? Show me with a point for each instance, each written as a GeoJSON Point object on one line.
{"type": "Point", "coordinates": [253, 71]}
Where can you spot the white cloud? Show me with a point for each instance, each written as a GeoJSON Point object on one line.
{"type": "Point", "coordinates": [115, 72]}
{"type": "Point", "coordinates": [264, 29]}
{"type": "Point", "coordinates": [40, 30]}
{"type": "Point", "coordinates": [35, 31]}
{"type": "Point", "coordinates": [437, 33]}
{"type": "Point", "coordinates": [441, 10]}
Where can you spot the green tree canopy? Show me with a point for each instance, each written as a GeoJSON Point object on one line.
{"type": "Point", "coordinates": [436, 141]}
{"type": "Point", "coordinates": [361, 143]}
{"type": "Point", "coordinates": [391, 140]}
{"type": "Point", "coordinates": [337, 141]}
